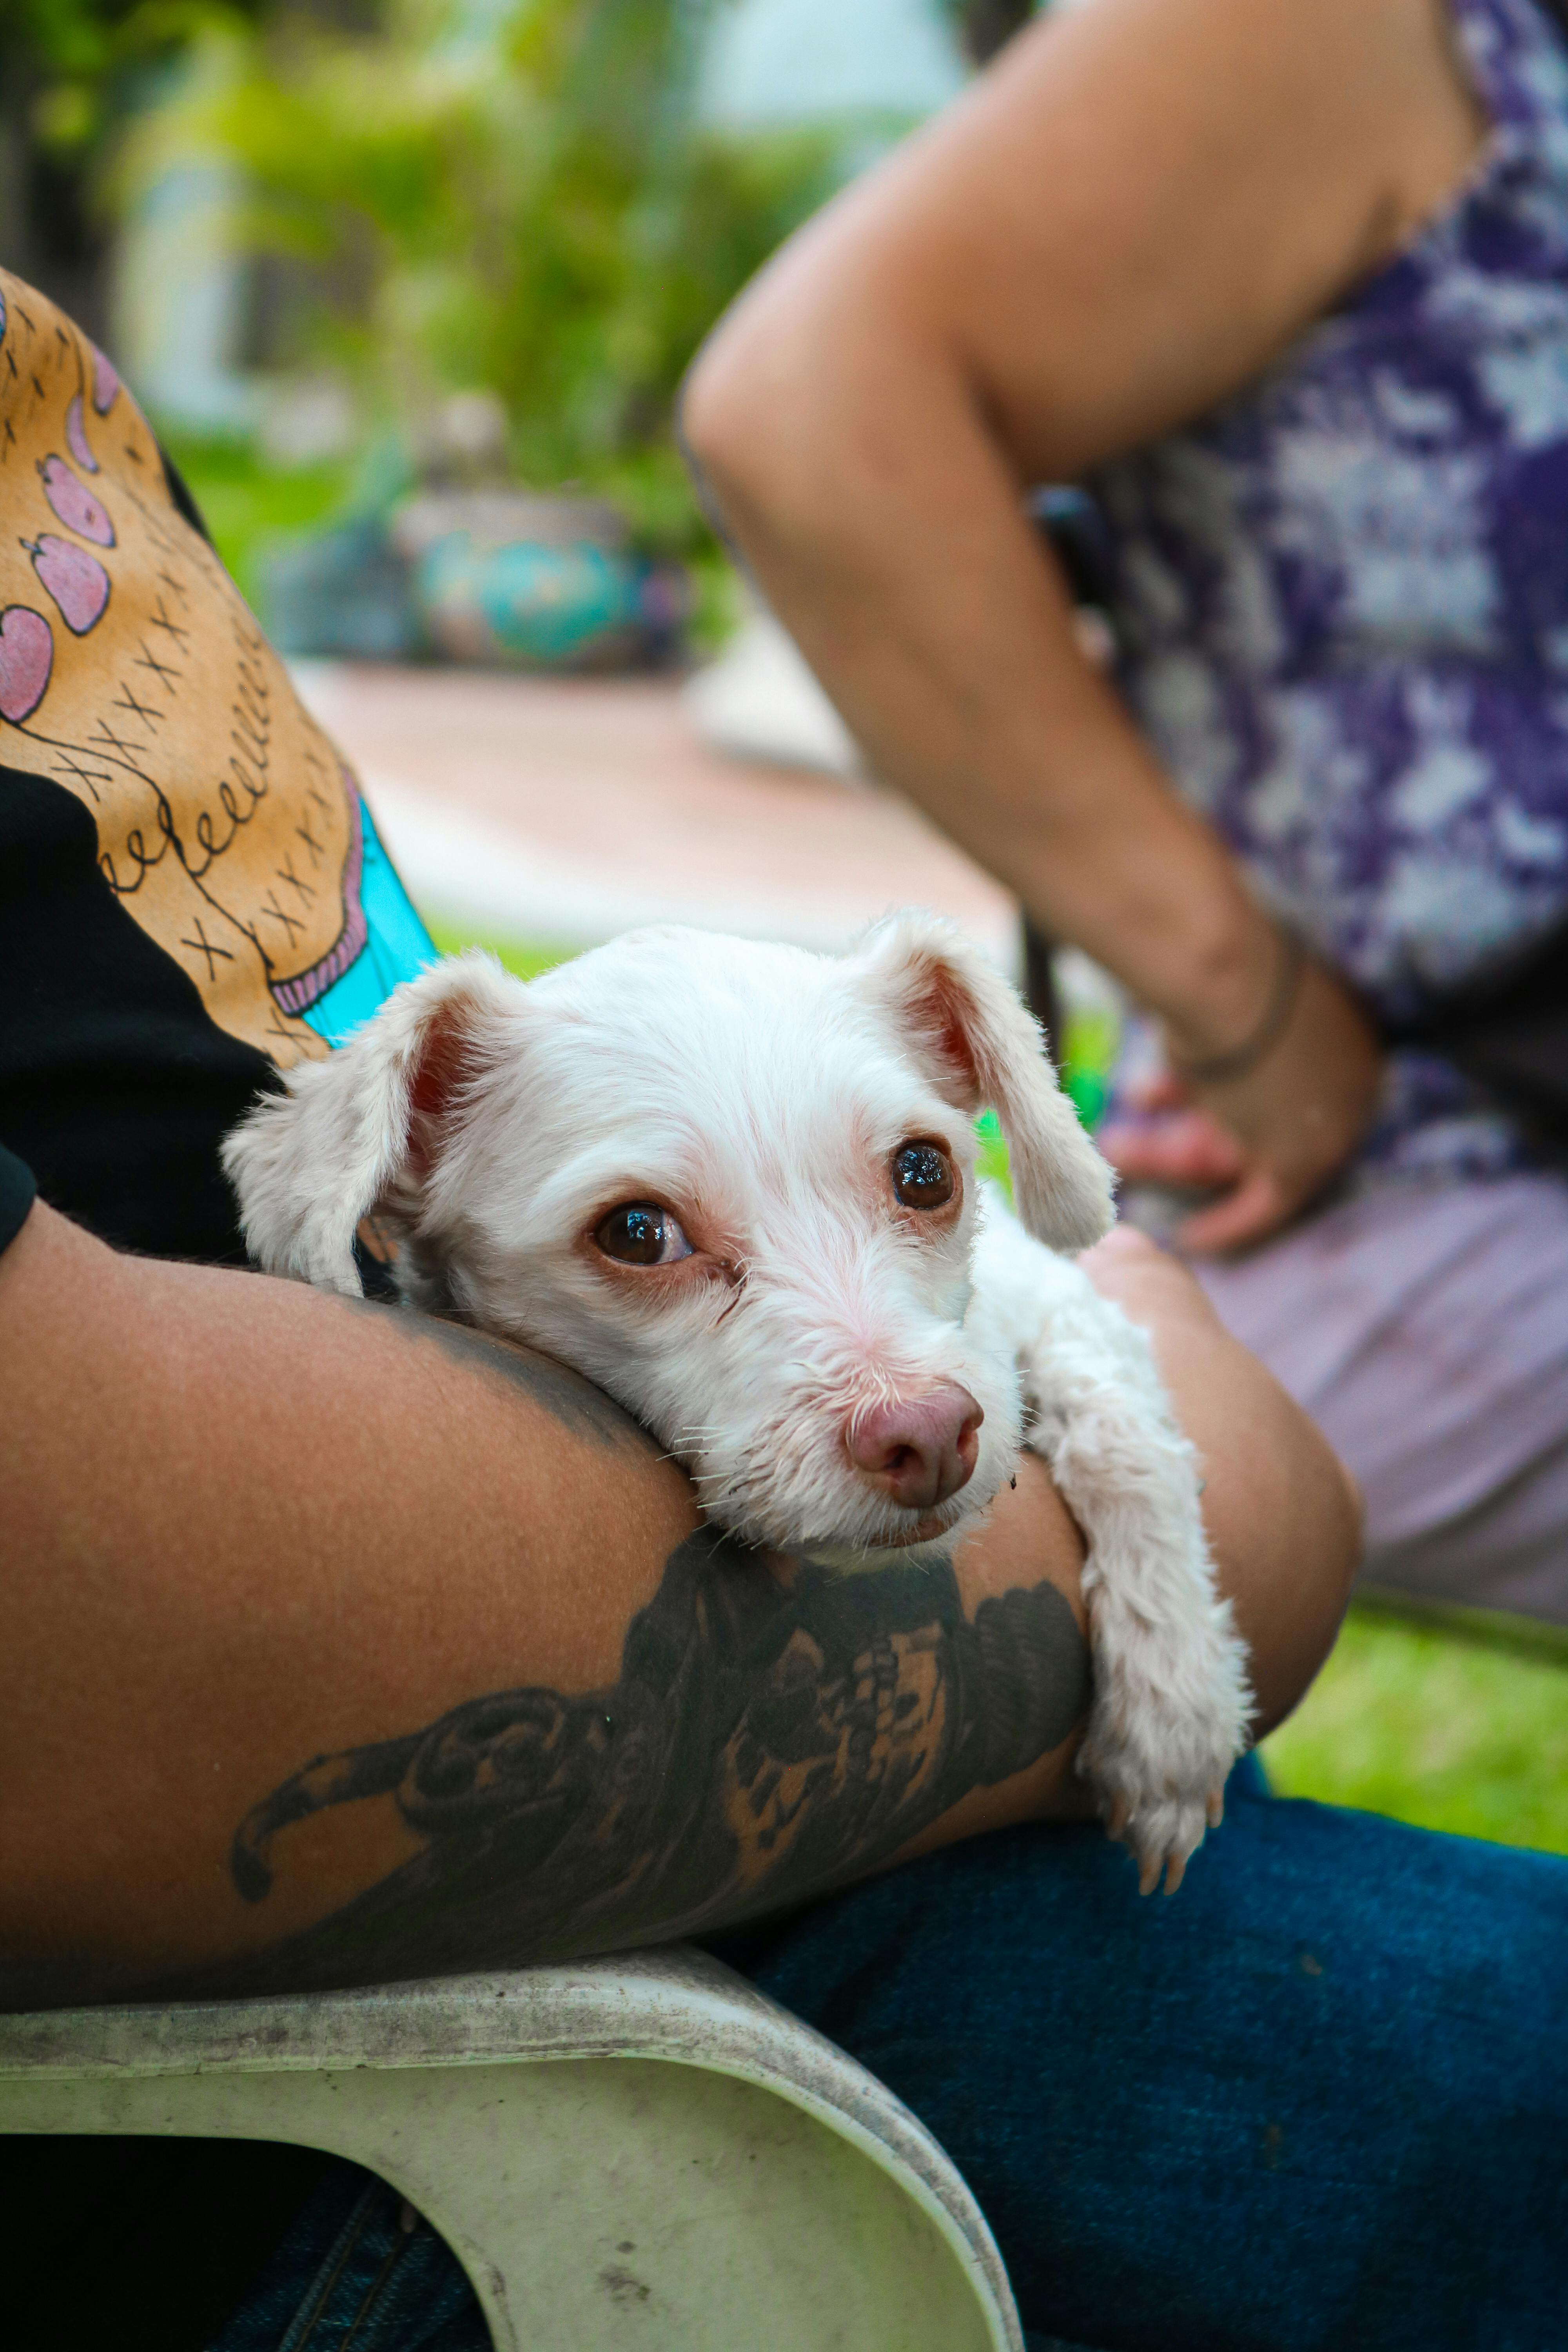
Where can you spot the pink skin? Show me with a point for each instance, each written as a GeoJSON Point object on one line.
{"type": "Point", "coordinates": [76, 580]}
{"type": "Point", "coordinates": [919, 1451]}
{"type": "Point", "coordinates": [1159, 1136]}
{"type": "Point", "coordinates": [105, 383]}
{"type": "Point", "coordinates": [74, 503]}
{"type": "Point", "coordinates": [75, 436]}
{"type": "Point", "coordinates": [26, 658]}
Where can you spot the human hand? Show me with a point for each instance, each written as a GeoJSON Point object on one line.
{"type": "Point", "coordinates": [1266, 1141]}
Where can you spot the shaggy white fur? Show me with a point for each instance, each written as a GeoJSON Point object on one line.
{"type": "Point", "coordinates": [681, 1164]}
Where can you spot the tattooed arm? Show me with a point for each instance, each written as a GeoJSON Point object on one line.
{"type": "Point", "coordinates": [343, 1644]}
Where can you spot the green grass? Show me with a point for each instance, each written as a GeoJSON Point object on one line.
{"type": "Point", "coordinates": [1452, 1719]}
{"type": "Point", "coordinates": [526, 961]}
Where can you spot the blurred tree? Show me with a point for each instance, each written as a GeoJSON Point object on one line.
{"type": "Point", "coordinates": [69, 71]}
{"type": "Point", "coordinates": [513, 199]}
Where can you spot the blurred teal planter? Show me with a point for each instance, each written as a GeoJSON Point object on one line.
{"type": "Point", "coordinates": [538, 583]}
{"type": "Point", "coordinates": [342, 591]}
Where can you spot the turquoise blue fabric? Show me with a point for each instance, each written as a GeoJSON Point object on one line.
{"type": "Point", "coordinates": [397, 946]}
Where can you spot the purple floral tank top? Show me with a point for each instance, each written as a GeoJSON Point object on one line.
{"type": "Point", "coordinates": [1341, 600]}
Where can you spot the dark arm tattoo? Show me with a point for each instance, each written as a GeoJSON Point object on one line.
{"type": "Point", "coordinates": [769, 1736]}
{"type": "Point", "coordinates": [760, 1746]}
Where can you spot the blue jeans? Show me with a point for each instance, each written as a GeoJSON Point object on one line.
{"type": "Point", "coordinates": [1318, 2101]}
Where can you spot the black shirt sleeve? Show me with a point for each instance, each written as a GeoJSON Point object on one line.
{"type": "Point", "coordinates": [116, 1086]}
{"type": "Point", "coordinates": [17, 1192]}
{"type": "Point", "coordinates": [180, 494]}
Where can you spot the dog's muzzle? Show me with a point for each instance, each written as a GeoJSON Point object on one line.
{"type": "Point", "coordinates": [918, 1451]}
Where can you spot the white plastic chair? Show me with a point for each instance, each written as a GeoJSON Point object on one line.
{"type": "Point", "coordinates": [636, 2152]}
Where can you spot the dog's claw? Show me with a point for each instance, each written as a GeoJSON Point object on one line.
{"type": "Point", "coordinates": [1162, 1834]}
{"type": "Point", "coordinates": [1156, 1862]}
{"type": "Point", "coordinates": [1160, 1766]}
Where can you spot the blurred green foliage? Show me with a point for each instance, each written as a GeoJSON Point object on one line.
{"type": "Point", "coordinates": [526, 961]}
{"type": "Point", "coordinates": [71, 74]}
{"type": "Point", "coordinates": [525, 206]}
{"type": "Point", "coordinates": [75, 59]}
{"type": "Point", "coordinates": [253, 509]}
{"type": "Point", "coordinates": [248, 506]}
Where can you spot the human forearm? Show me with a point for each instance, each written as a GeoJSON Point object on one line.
{"type": "Point", "coordinates": [1122, 223]}
{"type": "Point", "coordinates": [925, 602]}
{"type": "Point", "coordinates": [343, 1643]}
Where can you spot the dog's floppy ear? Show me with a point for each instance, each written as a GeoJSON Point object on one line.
{"type": "Point", "coordinates": [366, 1127]}
{"type": "Point", "coordinates": [983, 1047]}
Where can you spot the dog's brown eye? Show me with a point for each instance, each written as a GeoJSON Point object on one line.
{"type": "Point", "coordinates": [922, 1176]}
{"type": "Point", "coordinates": [640, 1232]}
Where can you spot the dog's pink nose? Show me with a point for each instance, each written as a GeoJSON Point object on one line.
{"type": "Point", "coordinates": [921, 1450]}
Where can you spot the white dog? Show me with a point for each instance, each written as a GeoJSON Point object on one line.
{"type": "Point", "coordinates": [734, 1185]}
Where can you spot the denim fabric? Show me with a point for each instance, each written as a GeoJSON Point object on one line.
{"type": "Point", "coordinates": [1318, 2101]}
{"type": "Point", "coordinates": [360, 2269]}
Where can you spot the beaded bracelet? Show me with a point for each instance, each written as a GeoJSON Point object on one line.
{"type": "Point", "coordinates": [1215, 1069]}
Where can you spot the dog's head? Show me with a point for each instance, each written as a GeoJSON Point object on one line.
{"type": "Point", "coordinates": [731, 1183]}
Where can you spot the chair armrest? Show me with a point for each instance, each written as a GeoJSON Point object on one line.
{"type": "Point", "coordinates": [692, 2160]}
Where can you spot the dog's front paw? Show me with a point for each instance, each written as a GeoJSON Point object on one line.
{"type": "Point", "coordinates": [1163, 1735]}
